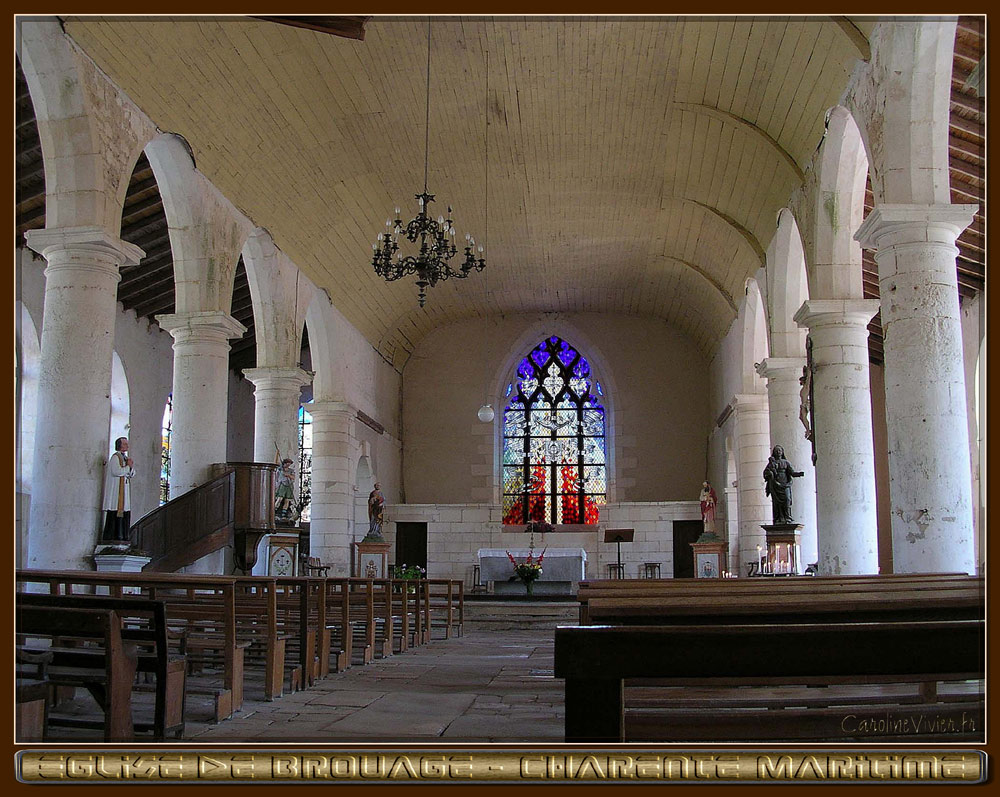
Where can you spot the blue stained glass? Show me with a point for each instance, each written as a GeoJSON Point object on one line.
{"type": "Point", "coordinates": [524, 370]}
{"type": "Point", "coordinates": [600, 390]}
{"type": "Point", "coordinates": [554, 339]}
{"type": "Point", "coordinates": [510, 387]}
{"type": "Point", "coordinates": [566, 354]}
{"type": "Point", "coordinates": [540, 355]}
{"type": "Point", "coordinates": [582, 368]}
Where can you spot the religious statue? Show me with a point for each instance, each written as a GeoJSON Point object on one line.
{"type": "Point", "coordinates": [117, 504]}
{"type": "Point", "coordinates": [708, 501]}
{"type": "Point", "coordinates": [284, 495]}
{"type": "Point", "coordinates": [805, 403]}
{"type": "Point", "coordinates": [376, 506]}
{"type": "Point", "coordinates": [778, 485]}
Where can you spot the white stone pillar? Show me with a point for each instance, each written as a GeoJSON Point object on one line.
{"type": "Point", "coordinates": [331, 527]}
{"type": "Point", "coordinates": [276, 404]}
{"type": "Point", "coordinates": [200, 394]}
{"type": "Point", "coordinates": [74, 386]}
{"type": "Point", "coordinates": [784, 398]}
{"type": "Point", "coordinates": [846, 517]}
{"type": "Point", "coordinates": [930, 476]}
{"type": "Point", "coordinates": [751, 426]}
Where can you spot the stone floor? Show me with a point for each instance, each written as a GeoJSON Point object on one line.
{"type": "Point", "coordinates": [486, 685]}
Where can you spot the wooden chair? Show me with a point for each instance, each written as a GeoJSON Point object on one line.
{"type": "Point", "coordinates": [312, 566]}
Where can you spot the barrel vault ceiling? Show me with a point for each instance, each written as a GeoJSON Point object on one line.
{"type": "Point", "coordinates": [629, 165]}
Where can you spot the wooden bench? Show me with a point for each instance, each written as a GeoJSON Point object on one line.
{"type": "Point", "coordinates": [596, 661]}
{"type": "Point", "coordinates": [145, 632]}
{"type": "Point", "coordinates": [32, 695]}
{"type": "Point", "coordinates": [256, 599]}
{"type": "Point", "coordinates": [653, 598]}
{"type": "Point", "coordinates": [201, 620]}
{"type": "Point", "coordinates": [446, 605]}
{"type": "Point", "coordinates": [103, 663]}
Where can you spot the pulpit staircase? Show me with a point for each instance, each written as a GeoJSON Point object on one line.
{"type": "Point", "coordinates": [235, 507]}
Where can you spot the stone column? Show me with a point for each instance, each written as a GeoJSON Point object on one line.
{"type": "Point", "coordinates": [276, 404]}
{"type": "Point", "coordinates": [784, 399]}
{"type": "Point", "coordinates": [200, 394]}
{"type": "Point", "coordinates": [74, 383]}
{"type": "Point", "coordinates": [331, 527]}
{"type": "Point", "coordinates": [752, 450]}
{"type": "Point", "coordinates": [929, 470]}
{"type": "Point", "coordinates": [846, 518]}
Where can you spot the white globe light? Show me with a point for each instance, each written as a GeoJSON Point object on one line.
{"type": "Point", "coordinates": [486, 413]}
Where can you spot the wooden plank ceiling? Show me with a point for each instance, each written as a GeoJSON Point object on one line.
{"type": "Point", "coordinates": [634, 165]}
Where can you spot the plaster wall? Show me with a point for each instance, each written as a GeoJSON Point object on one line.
{"type": "Point", "coordinates": [655, 383]}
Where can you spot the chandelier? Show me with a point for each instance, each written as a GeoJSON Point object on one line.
{"type": "Point", "coordinates": [436, 237]}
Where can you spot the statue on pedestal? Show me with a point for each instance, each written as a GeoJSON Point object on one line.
{"type": "Point", "coordinates": [376, 507]}
{"type": "Point", "coordinates": [708, 501]}
{"type": "Point", "coordinates": [778, 476]}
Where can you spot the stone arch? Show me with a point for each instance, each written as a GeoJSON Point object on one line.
{"type": "Point", "coordinates": [281, 295]}
{"type": "Point", "coordinates": [88, 148]}
{"type": "Point", "coordinates": [207, 233]}
{"type": "Point", "coordinates": [120, 403]}
{"type": "Point", "coordinates": [323, 339]}
{"type": "Point", "coordinates": [834, 268]}
{"type": "Point", "coordinates": [905, 108]}
{"type": "Point", "coordinates": [787, 287]}
{"type": "Point", "coordinates": [753, 339]}
{"type": "Point", "coordinates": [553, 324]}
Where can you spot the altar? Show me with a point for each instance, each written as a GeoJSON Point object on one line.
{"type": "Point", "coordinates": [562, 570]}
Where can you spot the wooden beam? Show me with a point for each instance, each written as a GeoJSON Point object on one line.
{"type": "Point", "coordinates": [965, 102]}
{"type": "Point", "coordinates": [968, 126]}
{"type": "Point", "coordinates": [855, 37]}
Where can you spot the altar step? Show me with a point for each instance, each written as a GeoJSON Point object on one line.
{"type": "Point", "coordinates": [501, 615]}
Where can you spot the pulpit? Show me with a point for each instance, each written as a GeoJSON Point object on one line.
{"type": "Point", "coordinates": [253, 508]}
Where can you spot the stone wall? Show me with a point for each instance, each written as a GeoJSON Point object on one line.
{"type": "Point", "coordinates": [455, 532]}
{"type": "Point", "coordinates": [655, 383]}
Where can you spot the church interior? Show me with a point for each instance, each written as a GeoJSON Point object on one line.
{"type": "Point", "coordinates": [335, 334]}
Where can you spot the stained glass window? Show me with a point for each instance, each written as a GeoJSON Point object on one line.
{"type": "Point", "coordinates": [305, 462]}
{"type": "Point", "coordinates": [166, 428]}
{"type": "Point", "coordinates": [554, 466]}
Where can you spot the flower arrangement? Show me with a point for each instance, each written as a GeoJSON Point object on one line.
{"type": "Point", "coordinates": [529, 569]}
{"type": "Point", "coordinates": [408, 571]}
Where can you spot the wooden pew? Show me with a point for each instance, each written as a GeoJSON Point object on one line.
{"type": "Point", "coordinates": [32, 695]}
{"type": "Point", "coordinates": [256, 599]}
{"type": "Point", "coordinates": [144, 631]}
{"type": "Point", "coordinates": [338, 635]}
{"type": "Point", "coordinates": [804, 605]}
{"type": "Point", "coordinates": [446, 604]}
{"type": "Point", "coordinates": [106, 667]}
{"type": "Point", "coordinates": [597, 660]}
{"type": "Point", "coordinates": [201, 619]}
{"type": "Point", "coordinates": [737, 591]}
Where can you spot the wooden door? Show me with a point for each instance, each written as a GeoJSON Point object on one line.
{"type": "Point", "coordinates": [685, 532]}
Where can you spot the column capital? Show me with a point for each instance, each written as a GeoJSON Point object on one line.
{"type": "Point", "coordinates": [47, 242]}
{"type": "Point", "coordinates": [780, 367]}
{"type": "Point", "coordinates": [278, 377]}
{"type": "Point", "coordinates": [749, 401]}
{"type": "Point", "coordinates": [210, 326]}
{"type": "Point", "coordinates": [836, 312]}
{"type": "Point", "coordinates": [888, 225]}
{"type": "Point", "coordinates": [330, 409]}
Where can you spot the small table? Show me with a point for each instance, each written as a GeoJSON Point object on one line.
{"type": "Point", "coordinates": [651, 570]}
{"type": "Point", "coordinates": [616, 570]}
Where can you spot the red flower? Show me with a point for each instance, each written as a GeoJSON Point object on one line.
{"type": "Point", "coordinates": [513, 561]}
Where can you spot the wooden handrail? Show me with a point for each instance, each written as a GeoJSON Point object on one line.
{"type": "Point", "coordinates": [188, 527]}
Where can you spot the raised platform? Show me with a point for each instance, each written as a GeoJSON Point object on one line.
{"type": "Point", "coordinates": [540, 587]}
